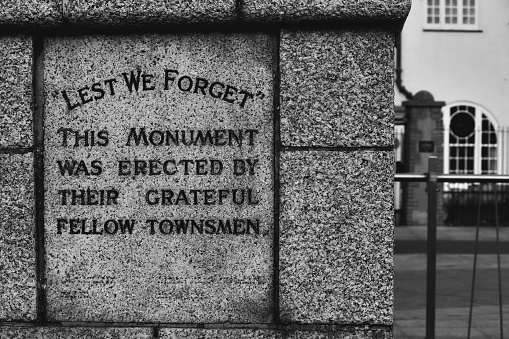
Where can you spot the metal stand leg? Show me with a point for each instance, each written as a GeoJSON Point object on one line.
{"type": "Point", "coordinates": [498, 265]}
{"type": "Point", "coordinates": [474, 271]}
{"type": "Point", "coordinates": [475, 264]}
{"type": "Point", "coordinates": [431, 248]}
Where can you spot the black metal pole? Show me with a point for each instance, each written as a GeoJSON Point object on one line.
{"type": "Point", "coordinates": [474, 270]}
{"type": "Point", "coordinates": [431, 247]}
{"type": "Point", "coordinates": [499, 268]}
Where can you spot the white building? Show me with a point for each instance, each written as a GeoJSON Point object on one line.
{"type": "Point", "coordinates": [459, 51]}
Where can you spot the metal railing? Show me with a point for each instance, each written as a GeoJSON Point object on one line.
{"type": "Point", "coordinates": [461, 202]}
{"type": "Point", "coordinates": [432, 178]}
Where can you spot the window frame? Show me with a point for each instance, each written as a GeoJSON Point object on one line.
{"type": "Point", "coordinates": [480, 111]}
{"type": "Point", "coordinates": [459, 26]}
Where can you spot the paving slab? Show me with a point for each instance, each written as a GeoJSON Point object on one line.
{"type": "Point", "coordinates": [454, 278]}
{"type": "Point", "coordinates": [451, 233]}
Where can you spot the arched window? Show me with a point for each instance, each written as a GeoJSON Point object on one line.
{"type": "Point", "coordinates": [470, 140]}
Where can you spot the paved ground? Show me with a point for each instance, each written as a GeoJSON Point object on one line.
{"type": "Point", "coordinates": [454, 278]}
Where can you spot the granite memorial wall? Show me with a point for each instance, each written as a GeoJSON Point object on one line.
{"type": "Point", "coordinates": [197, 169]}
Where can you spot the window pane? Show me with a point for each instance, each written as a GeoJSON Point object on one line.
{"type": "Point", "coordinates": [470, 166]}
{"type": "Point", "coordinates": [453, 166]}
{"type": "Point", "coordinates": [484, 166]}
{"type": "Point", "coordinates": [433, 12]}
{"type": "Point", "coordinates": [461, 165]}
{"type": "Point", "coordinates": [464, 153]}
{"type": "Point", "coordinates": [462, 124]}
{"type": "Point", "coordinates": [468, 13]}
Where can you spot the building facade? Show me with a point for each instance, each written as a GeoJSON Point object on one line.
{"type": "Point", "coordinates": [458, 50]}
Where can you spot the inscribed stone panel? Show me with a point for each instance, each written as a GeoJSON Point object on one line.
{"type": "Point", "coordinates": [158, 177]}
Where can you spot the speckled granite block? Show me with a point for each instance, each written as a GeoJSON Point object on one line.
{"type": "Point", "coordinates": [17, 253]}
{"type": "Point", "coordinates": [23, 13]}
{"type": "Point", "coordinates": [337, 88]}
{"type": "Point", "coordinates": [15, 91]}
{"type": "Point", "coordinates": [326, 10]}
{"type": "Point", "coordinates": [118, 13]}
{"type": "Point", "coordinates": [190, 257]}
{"type": "Point", "coordinates": [74, 333]}
{"type": "Point", "coordinates": [351, 333]}
{"type": "Point", "coordinates": [122, 13]}
{"type": "Point", "coordinates": [336, 255]}
{"type": "Point", "coordinates": [172, 333]}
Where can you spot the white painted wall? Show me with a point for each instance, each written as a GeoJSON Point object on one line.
{"type": "Point", "coordinates": [460, 66]}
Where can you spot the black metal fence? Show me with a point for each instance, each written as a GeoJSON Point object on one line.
{"type": "Point", "coordinates": [470, 204]}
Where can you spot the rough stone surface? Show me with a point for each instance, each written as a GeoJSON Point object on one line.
{"type": "Point", "coordinates": [167, 333]}
{"type": "Point", "coordinates": [337, 88]}
{"type": "Point", "coordinates": [74, 333]}
{"type": "Point", "coordinates": [353, 333]}
{"type": "Point", "coordinates": [148, 12]}
{"type": "Point", "coordinates": [17, 254]}
{"type": "Point", "coordinates": [121, 13]}
{"type": "Point", "coordinates": [30, 13]}
{"type": "Point", "coordinates": [336, 255]}
{"type": "Point", "coordinates": [148, 275]}
{"type": "Point", "coordinates": [326, 10]}
{"type": "Point", "coordinates": [15, 91]}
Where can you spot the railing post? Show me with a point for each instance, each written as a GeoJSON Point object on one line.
{"type": "Point", "coordinates": [431, 247]}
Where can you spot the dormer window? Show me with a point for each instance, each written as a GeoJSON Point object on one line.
{"type": "Point", "coordinates": [452, 14]}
